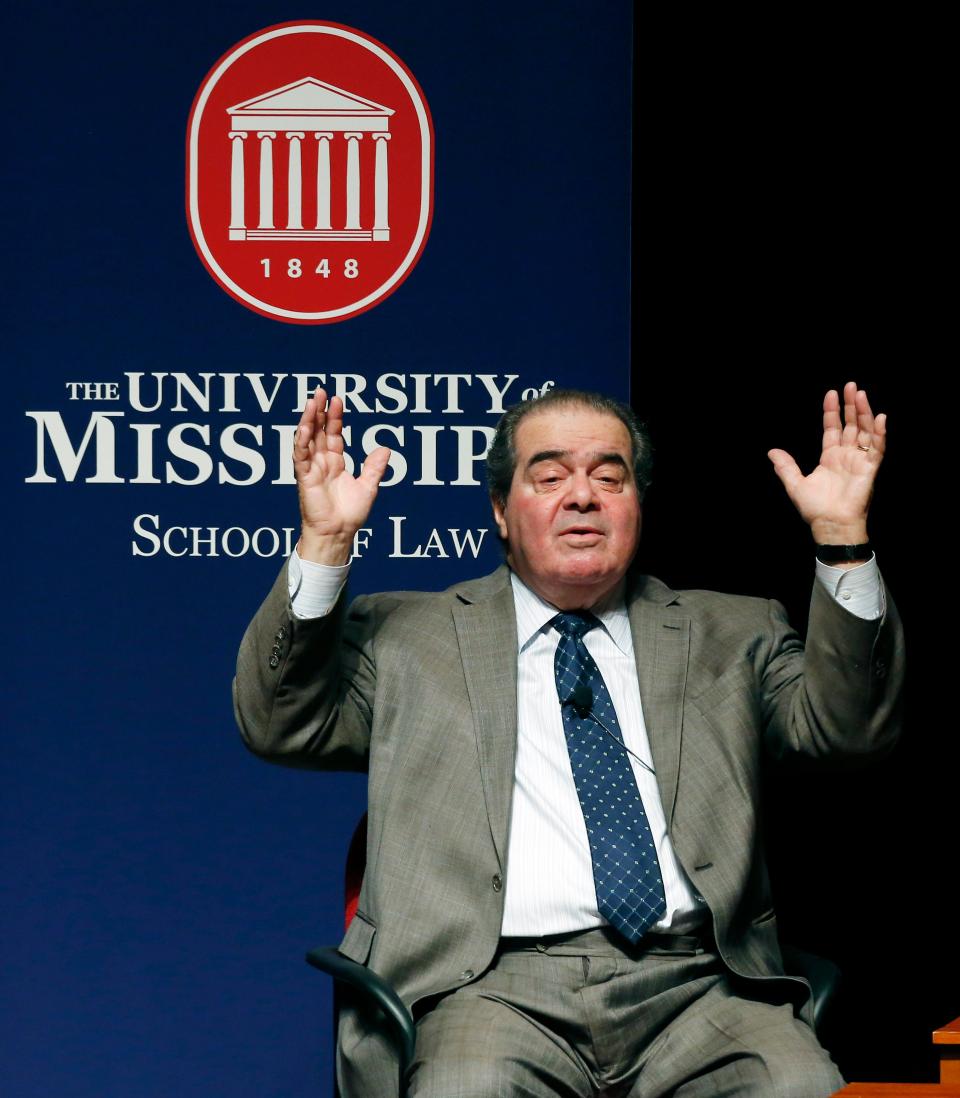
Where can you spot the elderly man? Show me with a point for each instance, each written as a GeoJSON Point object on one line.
{"type": "Point", "coordinates": [564, 871]}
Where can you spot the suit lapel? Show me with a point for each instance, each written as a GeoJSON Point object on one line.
{"type": "Point", "coordinates": [486, 624]}
{"type": "Point", "coordinates": [661, 646]}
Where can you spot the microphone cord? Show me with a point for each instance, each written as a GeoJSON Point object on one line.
{"type": "Point", "coordinates": [584, 708]}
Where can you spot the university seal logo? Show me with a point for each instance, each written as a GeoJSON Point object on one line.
{"type": "Point", "coordinates": [309, 172]}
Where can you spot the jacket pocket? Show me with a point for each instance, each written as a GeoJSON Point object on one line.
{"type": "Point", "coordinates": [358, 940]}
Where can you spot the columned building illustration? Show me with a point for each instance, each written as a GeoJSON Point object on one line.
{"type": "Point", "coordinates": [309, 116]}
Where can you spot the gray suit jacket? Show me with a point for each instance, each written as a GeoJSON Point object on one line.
{"type": "Point", "coordinates": [420, 690]}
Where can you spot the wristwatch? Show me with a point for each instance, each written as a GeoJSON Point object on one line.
{"type": "Point", "coordinates": [840, 554]}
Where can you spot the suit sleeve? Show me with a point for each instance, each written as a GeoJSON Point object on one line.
{"type": "Point", "coordinates": [840, 694]}
{"type": "Point", "coordinates": [303, 691]}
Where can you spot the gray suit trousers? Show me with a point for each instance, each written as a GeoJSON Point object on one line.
{"type": "Point", "coordinates": [580, 1016]}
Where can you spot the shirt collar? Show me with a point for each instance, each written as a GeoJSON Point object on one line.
{"type": "Point", "coordinates": [534, 614]}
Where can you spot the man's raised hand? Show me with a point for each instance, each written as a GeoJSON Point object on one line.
{"type": "Point", "coordinates": [835, 497]}
{"type": "Point", "coordinates": [333, 503]}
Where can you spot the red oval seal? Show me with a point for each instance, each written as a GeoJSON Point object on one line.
{"type": "Point", "coordinates": [309, 172]}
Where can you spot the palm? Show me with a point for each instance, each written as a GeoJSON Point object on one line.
{"type": "Point", "coordinates": [835, 496]}
{"type": "Point", "coordinates": [333, 502]}
{"type": "Point", "coordinates": [330, 496]}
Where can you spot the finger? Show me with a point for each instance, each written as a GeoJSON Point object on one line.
{"type": "Point", "coordinates": [319, 438]}
{"type": "Point", "coordinates": [308, 430]}
{"type": "Point", "coordinates": [334, 427]}
{"type": "Point", "coordinates": [880, 433]}
{"type": "Point", "coordinates": [864, 411]}
{"type": "Point", "coordinates": [850, 414]}
{"type": "Point", "coordinates": [305, 426]}
{"type": "Point", "coordinates": [375, 466]}
{"type": "Point", "coordinates": [312, 415]}
{"type": "Point", "coordinates": [786, 468]}
{"type": "Point", "coordinates": [302, 438]}
{"type": "Point", "coordinates": [865, 419]}
{"type": "Point", "coordinates": [301, 457]}
{"type": "Point", "coordinates": [832, 428]}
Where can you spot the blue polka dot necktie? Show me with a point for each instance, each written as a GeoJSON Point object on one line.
{"type": "Point", "coordinates": [626, 871]}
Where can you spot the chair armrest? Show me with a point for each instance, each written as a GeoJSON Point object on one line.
{"type": "Point", "coordinates": [822, 975]}
{"type": "Point", "coordinates": [374, 987]}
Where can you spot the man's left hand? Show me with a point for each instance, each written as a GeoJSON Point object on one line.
{"type": "Point", "coordinates": [835, 497]}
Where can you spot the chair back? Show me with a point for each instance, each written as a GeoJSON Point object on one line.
{"type": "Point", "coordinates": [353, 871]}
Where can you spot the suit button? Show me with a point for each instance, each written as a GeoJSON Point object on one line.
{"type": "Point", "coordinates": [277, 650]}
{"type": "Point", "coordinates": [880, 669]}
{"type": "Point", "coordinates": [281, 633]}
{"type": "Point", "coordinates": [497, 882]}
{"type": "Point", "coordinates": [467, 974]}
{"type": "Point", "coordinates": [274, 662]}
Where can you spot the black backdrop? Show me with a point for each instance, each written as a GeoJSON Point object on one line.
{"type": "Point", "coordinates": [789, 215]}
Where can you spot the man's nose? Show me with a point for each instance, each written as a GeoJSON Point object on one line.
{"type": "Point", "coordinates": [580, 492]}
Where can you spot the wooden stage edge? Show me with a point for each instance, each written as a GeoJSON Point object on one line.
{"type": "Point", "coordinates": [898, 1090]}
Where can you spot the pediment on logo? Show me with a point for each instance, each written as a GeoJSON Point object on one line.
{"type": "Point", "coordinates": [310, 97]}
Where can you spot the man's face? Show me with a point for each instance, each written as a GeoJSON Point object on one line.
{"type": "Point", "coordinates": [572, 518]}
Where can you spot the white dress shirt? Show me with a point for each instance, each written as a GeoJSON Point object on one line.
{"type": "Point", "coordinates": [549, 885]}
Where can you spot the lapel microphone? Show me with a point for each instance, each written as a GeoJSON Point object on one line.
{"type": "Point", "coordinates": [581, 698]}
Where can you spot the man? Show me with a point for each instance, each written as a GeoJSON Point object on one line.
{"type": "Point", "coordinates": [564, 878]}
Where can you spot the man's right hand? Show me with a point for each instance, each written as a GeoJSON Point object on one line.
{"type": "Point", "coordinates": [333, 503]}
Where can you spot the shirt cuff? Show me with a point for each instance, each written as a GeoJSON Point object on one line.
{"type": "Point", "coordinates": [314, 588]}
{"type": "Point", "coordinates": [856, 589]}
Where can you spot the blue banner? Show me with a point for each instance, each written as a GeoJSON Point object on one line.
{"type": "Point", "coordinates": [422, 208]}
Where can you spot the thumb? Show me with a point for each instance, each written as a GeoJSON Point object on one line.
{"type": "Point", "coordinates": [786, 468]}
{"type": "Point", "coordinates": [375, 466]}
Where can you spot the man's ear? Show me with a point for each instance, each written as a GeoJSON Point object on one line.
{"type": "Point", "coordinates": [498, 517]}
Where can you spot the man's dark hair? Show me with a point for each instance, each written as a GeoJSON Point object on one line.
{"type": "Point", "coordinates": [502, 455]}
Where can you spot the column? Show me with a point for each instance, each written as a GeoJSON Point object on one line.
{"type": "Point", "coordinates": [294, 202]}
{"type": "Point", "coordinates": [266, 178]}
{"type": "Point", "coordinates": [381, 222]}
{"type": "Point", "coordinates": [353, 180]}
{"type": "Point", "coordinates": [323, 179]}
{"type": "Point", "coordinates": [237, 225]}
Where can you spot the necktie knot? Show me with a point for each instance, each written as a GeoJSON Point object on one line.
{"type": "Point", "coordinates": [574, 624]}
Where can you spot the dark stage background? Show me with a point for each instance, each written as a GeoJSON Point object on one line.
{"type": "Point", "coordinates": [789, 236]}
{"type": "Point", "coordinates": [160, 885]}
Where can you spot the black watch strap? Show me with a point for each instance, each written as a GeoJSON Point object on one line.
{"type": "Point", "coordinates": [840, 554]}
